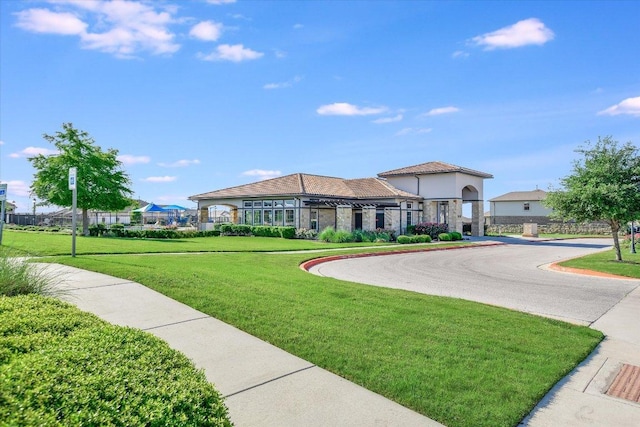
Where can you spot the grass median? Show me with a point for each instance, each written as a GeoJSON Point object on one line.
{"type": "Point", "coordinates": [459, 362]}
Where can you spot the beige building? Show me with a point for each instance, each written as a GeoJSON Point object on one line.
{"type": "Point", "coordinates": [519, 207]}
{"type": "Point", "coordinates": [429, 192]}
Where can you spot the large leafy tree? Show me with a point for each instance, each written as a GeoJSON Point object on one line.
{"type": "Point", "coordinates": [101, 182]}
{"type": "Point", "coordinates": [604, 186]}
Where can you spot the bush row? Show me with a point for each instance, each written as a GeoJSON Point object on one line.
{"type": "Point", "coordinates": [330, 235]}
{"type": "Point", "coordinates": [60, 366]}
{"type": "Point", "coordinates": [431, 229]}
{"type": "Point", "coordinates": [417, 238]}
{"type": "Point", "coordinates": [257, 230]}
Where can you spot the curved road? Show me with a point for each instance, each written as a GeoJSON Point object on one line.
{"type": "Point", "coordinates": [510, 275]}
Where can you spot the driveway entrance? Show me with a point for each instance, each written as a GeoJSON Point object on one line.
{"type": "Point", "coordinates": [511, 275]}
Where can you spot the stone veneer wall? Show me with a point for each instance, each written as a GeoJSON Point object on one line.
{"type": "Point", "coordinates": [552, 228]}
{"type": "Point", "coordinates": [327, 218]}
{"type": "Point", "coordinates": [344, 216]}
{"type": "Point", "coordinates": [506, 220]}
{"type": "Point", "coordinates": [369, 218]}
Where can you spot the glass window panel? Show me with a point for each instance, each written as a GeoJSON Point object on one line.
{"type": "Point", "coordinates": [289, 203]}
{"type": "Point", "coordinates": [247, 204]}
{"type": "Point", "coordinates": [267, 217]}
{"type": "Point", "coordinates": [267, 203]}
{"type": "Point", "coordinates": [257, 217]}
{"type": "Point", "coordinates": [278, 217]}
{"type": "Point", "coordinates": [257, 204]}
{"type": "Point", "coordinates": [277, 203]}
{"type": "Point", "coordinates": [289, 218]}
{"type": "Point", "coordinates": [248, 217]}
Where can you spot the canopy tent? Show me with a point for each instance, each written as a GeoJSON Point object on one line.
{"type": "Point", "coordinates": [174, 208]}
{"type": "Point", "coordinates": [151, 207]}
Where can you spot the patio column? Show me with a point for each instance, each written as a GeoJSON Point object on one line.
{"type": "Point", "coordinates": [344, 214]}
{"type": "Point", "coordinates": [369, 218]}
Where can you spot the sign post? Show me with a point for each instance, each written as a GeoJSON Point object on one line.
{"type": "Point", "coordinates": [73, 181]}
{"type": "Point", "coordinates": [3, 198]}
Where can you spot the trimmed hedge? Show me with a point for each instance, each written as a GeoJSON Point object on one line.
{"type": "Point", "coordinates": [60, 366]}
{"type": "Point", "coordinates": [429, 228]}
{"type": "Point", "coordinates": [444, 237]}
{"type": "Point", "coordinates": [403, 239]}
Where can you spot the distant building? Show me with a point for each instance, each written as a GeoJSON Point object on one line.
{"type": "Point", "coordinates": [519, 207]}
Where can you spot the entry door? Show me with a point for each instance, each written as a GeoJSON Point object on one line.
{"type": "Point", "coordinates": [358, 221]}
{"type": "Point", "coordinates": [379, 219]}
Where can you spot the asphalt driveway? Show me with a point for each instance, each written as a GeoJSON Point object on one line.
{"type": "Point", "coordinates": [512, 275]}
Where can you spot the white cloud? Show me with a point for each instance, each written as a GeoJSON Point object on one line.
{"type": "Point", "coordinates": [460, 54]}
{"type": "Point", "coordinates": [219, 2]}
{"type": "Point", "coordinates": [160, 179]}
{"type": "Point", "coordinates": [440, 111]}
{"type": "Point", "coordinates": [413, 131]}
{"type": "Point", "coordinates": [283, 85]}
{"type": "Point", "coordinates": [46, 21]}
{"type": "Point", "coordinates": [298, 26]}
{"type": "Point", "coordinates": [388, 119]}
{"type": "Point", "coordinates": [523, 33]}
{"type": "Point", "coordinates": [17, 189]}
{"type": "Point", "coordinates": [262, 174]}
{"type": "Point", "coordinates": [1, 142]}
{"type": "Point", "coordinates": [233, 53]}
{"type": "Point", "coordinates": [346, 109]}
{"type": "Point", "coordinates": [33, 152]}
{"type": "Point", "coordinates": [207, 31]}
{"type": "Point", "coordinates": [180, 163]}
{"type": "Point", "coordinates": [121, 28]}
{"type": "Point", "coordinates": [129, 159]}
{"type": "Point", "coordinates": [629, 106]}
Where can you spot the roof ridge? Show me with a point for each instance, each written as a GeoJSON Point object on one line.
{"type": "Point", "coordinates": [301, 183]}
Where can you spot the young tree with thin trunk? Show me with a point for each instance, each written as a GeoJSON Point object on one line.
{"type": "Point", "coordinates": [604, 186]}
{"type": "Point", "coordinates": [101, 182]}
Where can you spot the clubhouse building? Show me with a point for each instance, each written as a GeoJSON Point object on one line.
{"type": "Point", "coordinates": [428, 192]}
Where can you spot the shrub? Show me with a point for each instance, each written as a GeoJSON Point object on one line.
{"type": "Point", "coordinates": [411, 229]}
{"type": "Point", "coordinates": [94, 373]}
{"type": "Point", "coordinates": [20, 278]}
{"type": "Point", "coordinates": [455, 235]}
{"type": "Point", "coordinates": [421, 238]}
{"type": "Point", "coordinates": [287, 232]}
{"type": "Point", "coordinates": [117, 230]}
{"type": "Point", "coordinates": [97, 229]}
{"type": "Point", "coordinates": [444, 237]}
{"type": "Point", "coordinates": [327, 234]}
{"type": "Point", "coordinates": [431, 228]}
{"type": "Point", "coordinates": [402, 239]}
{"type": "Point", "coordinates": [306, 233]}
{"type": "Point", "coordinates": [342, 236]}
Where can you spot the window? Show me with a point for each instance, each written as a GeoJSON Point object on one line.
{"type": "Point", "coordinates": [257, 204]}
{"type": "Point", "coordinates": [409, 218]}
{"type": "Point", "coordinates": [278, 217]}
{"type": "Point", "coordinates": [247, 217]}
{"type": "Point", "coordinates": [257, 217]}
{"type": "Point", "coordinates": [267, 203]}
{"type": "Point", "coordinates": [278, 203]}
{"type": "Point", "coordinates": [289, 203]}
{"type": "Point", "coordinates": [267, 217]}
{"type": "Point", "coordinates": [314, 220]}
{"type": "Point", "coordinates": [527, 206]}
{"type": "Point", "coordinates": [409, 205]}
{"type": "Point", "coordinates": [247, 204]}
{"type": "Point", "coordinates": [289, 218]}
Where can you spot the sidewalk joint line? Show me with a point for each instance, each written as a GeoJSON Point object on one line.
{"type": "Point", "coordinates": [100, 286]}
{"type": "Point", "coordinates": [597, 373]}
{"type": "Point", "coordinates": [178, 323]}
{"type": "Point", "coordinates": [269, 381]}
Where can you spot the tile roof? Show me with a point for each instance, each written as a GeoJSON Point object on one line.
{"type": "Point", "coordinates": [433, 168]}
{"type": "Point", "coordinates": [521, 196]}
{"type": "Point", "coordinates": [300, 184]}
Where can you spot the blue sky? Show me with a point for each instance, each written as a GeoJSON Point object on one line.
{"type": "Point", "coordinates": [203, 95]}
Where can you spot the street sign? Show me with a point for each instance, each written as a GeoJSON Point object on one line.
{"type": "Point", "coordinates": [3, 192]}
{"type": "Point", "coordinates": [72, 178]}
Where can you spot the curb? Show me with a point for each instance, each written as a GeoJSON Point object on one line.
{"type": "Point", "coordinates": [315, 261]}
{"type": "Point", "coordinates": [554, 266]}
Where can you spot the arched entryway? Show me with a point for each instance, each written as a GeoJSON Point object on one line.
{"type": "Point", "coordinates": [471, 195]}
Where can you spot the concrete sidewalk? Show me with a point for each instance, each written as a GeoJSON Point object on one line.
{"type": "Point", "coordinates": [266, 386]}
{"type": "Point", "coordinates": [262, 384]}
{"type": "Point", "coordinates": [581, 398]}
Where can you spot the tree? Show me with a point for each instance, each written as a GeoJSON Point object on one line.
{"type": "Point", "coordinates": [604, 186]}
{"type": "Point", "coordinates": [101, 183]}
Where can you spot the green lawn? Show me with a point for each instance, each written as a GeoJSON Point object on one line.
{"type": "Point", "coordinates": [459, 362]}
{"type": "Point", "coordinates": [44, 244]}
{"type": "Point", "coordinates": [606, 263]}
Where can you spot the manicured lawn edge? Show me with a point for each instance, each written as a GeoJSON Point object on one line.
{"type": "Point", "coordinates": [307, 265]}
